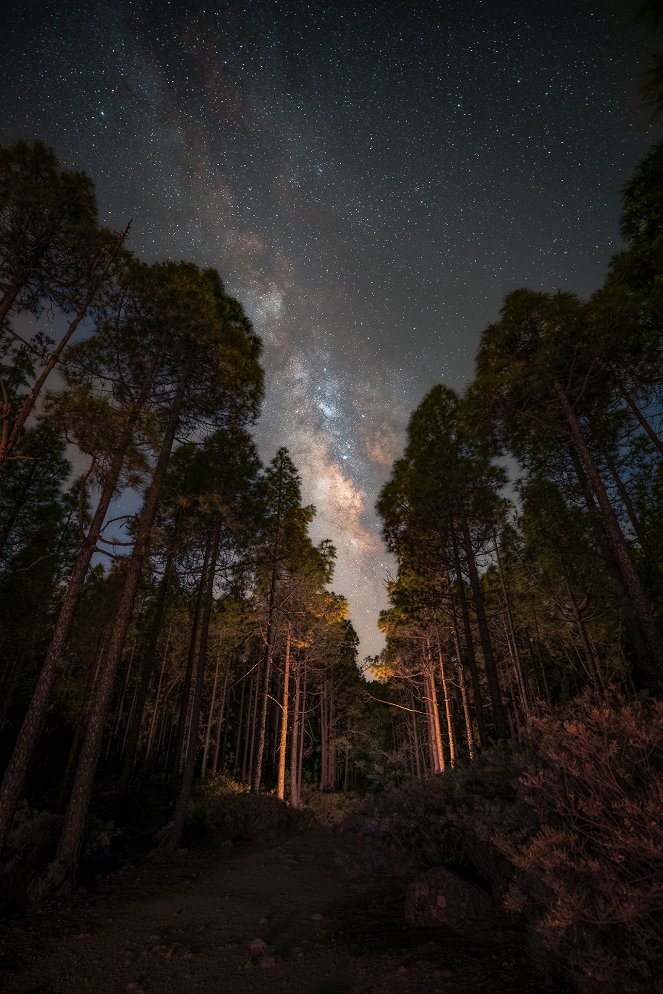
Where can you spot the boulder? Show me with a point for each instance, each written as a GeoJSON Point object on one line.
{"type": "Point", "coordinates": [441, 897]}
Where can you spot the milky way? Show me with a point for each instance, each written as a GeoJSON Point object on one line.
{"type": "Point", "coordinates": [369, 179]}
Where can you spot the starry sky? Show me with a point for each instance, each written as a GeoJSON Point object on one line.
{"type": "Point", "coordinates": [369, 178]}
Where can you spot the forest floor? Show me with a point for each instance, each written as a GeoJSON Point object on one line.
{"type": "Point", "coordinates": [326, 909]}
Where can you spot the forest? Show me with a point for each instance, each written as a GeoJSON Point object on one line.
{"type": "Point", "coordinates": [171, 642]}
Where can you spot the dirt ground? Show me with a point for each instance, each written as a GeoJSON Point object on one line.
{"type": "Point", "coordinates": [319, 913]}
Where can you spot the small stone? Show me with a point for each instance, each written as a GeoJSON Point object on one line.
{"type": "Point", "coordinates": [402, 969]}
{"type": "Point", "coordinates": [258, 946]}
{"type": "Point", "coordinates": [263, 921]}
{"type": "Point", "coordinates": [226, 844]}
{"type": "Point", "coordinates": [317, 918]}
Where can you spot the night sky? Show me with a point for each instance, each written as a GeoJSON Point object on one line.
{"type": "Point", "coordinates": [370, 179]}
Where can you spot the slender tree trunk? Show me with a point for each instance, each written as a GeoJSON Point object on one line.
{"type": "Point", "coordinates": [17, 769]}
{"type": "Point", "coordinates": [210, 716]}
{"type": "Point", "coordinates": [538, 667]}
{"type": "Point", "coordinates": [28, 404]}
{"type": "Point", "coordinates": [252, 720]}
{"type": "Point", "coordinates": [220, 723]}
{"type": "Point", "coordinates": [638, 415]}
{"type": "Point", "coordinates": [648, 643]}
{"type": "Point", "coordinates": [280, 791]}
{"type": "Point", "coordinates": [625, 498]}
{"type": "Point", "coordinates": [192, 655]}
{"type": "Point", "coordinates": [469, 644]}
{"type": "Point", "coordinates": [174, 836]}
{"type": "Point", "coordinates": [469, 731]}
{"type": "Point", "coordinates": [511, 633]}
{"type": "Point", "coordinates": [415, 745]}
{"type": "Point", "coordinates": [484, 632]}
{"type": "Point", "coordinates": [436, 731]}
{"type": "Point", "coordinates": [61, 871]}
{"type": "Point", "coordinates": [447, 709]}
{"type": "Point", "coordinates": [146, 672]}
{"type": "Point", "coordinates": [592, 664]}
{"type": "Point", "coordinates": [237, 771]}
{"type": "Point", "coordinates": [294, 742]}
{"type": "Point", "coordinates": [157, 698]}
{"type": "Point", "coordinates": [302, 729]}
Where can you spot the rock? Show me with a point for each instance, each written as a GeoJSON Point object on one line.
{"type": "Point", "coordinates": [267, 962]}
{"type": "Point", "coordinates": [441, 897]}
{"type": "Point", "coordinates": [317, 918]}
{"type": "Point", "coordinates": [258, 946]}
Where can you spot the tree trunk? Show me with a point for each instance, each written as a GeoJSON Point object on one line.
{"type": "Point", "coordinates": [447, 709]}
{"type": "Point", "coordinates": [192, 655]}
{"type": "Point", "coordinates": [280, 790]}
{"type": "Point", "coordinates": [146, 672]}
{"type": "Point", "coordinates": [294, 742]}
{"type": "Point", "coordinates": [469, 644]}
{"type": "Point", "coordinates": [61, 872]}
{"type": "Point", "coordinates": [8, 445]}
{"type": "Point", "coordinates": [648, 643]}
{"type": "Point", "coordinates": [639, 416]}
{"type": "Point", "coordinates": [157, 698]}
{"type": "Point", "coordinates": [174, 835]}
{"type": "Point", "coordinates": [17, 769]}
{"type": "Point", "coordinates": [484, 632]}
{"type": "Point", "coordinates": [220, 723]}
{"type": "Point", "coordinates": [435, 730]}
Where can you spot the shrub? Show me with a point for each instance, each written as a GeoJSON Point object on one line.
{"type": "Point", "coordinates": [590, 877]}
{"type": "Point", "coordinates": [449, 819]}
{"type": "Point", "coordinates": [567, 831]}
{"type": "Point", "coordinates": [330, 808]}
{"type": "Point", "coordinates": [31, 843]}
{"type": "Point", "coordinates": [224, 809]}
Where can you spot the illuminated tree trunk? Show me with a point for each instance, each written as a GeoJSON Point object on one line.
{"type": "Point", "coordinates": [447, 709]}
{"type": "Point", "coordinates": [437, 751]}
{"type": "Point", "coordinates": [280, 790]}
{"type": "Point", "coordinates": [295, 745]}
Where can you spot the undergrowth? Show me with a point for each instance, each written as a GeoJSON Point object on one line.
{"type": "Point", "coordinates": [567, 831]}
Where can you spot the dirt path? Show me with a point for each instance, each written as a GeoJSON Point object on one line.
{"type": "Point", "coordinates": [320, 913]}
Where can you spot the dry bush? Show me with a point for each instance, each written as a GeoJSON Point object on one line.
{"type": "Point", "coordinates": [224, 809]}
{"type": "Point", "coordinates": [590, 876]}
{"type": "Point", "coordinates": [569, 832]}
{"type": "Point", "coordinates": [331, 808]}
{"type": "Point", "coordinates": [449, 819]}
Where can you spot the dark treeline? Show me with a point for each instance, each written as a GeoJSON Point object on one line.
{"type": "Point", "coordinates": [508, 601]}
{"type": "Point", "coordinates": [164, 613]}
